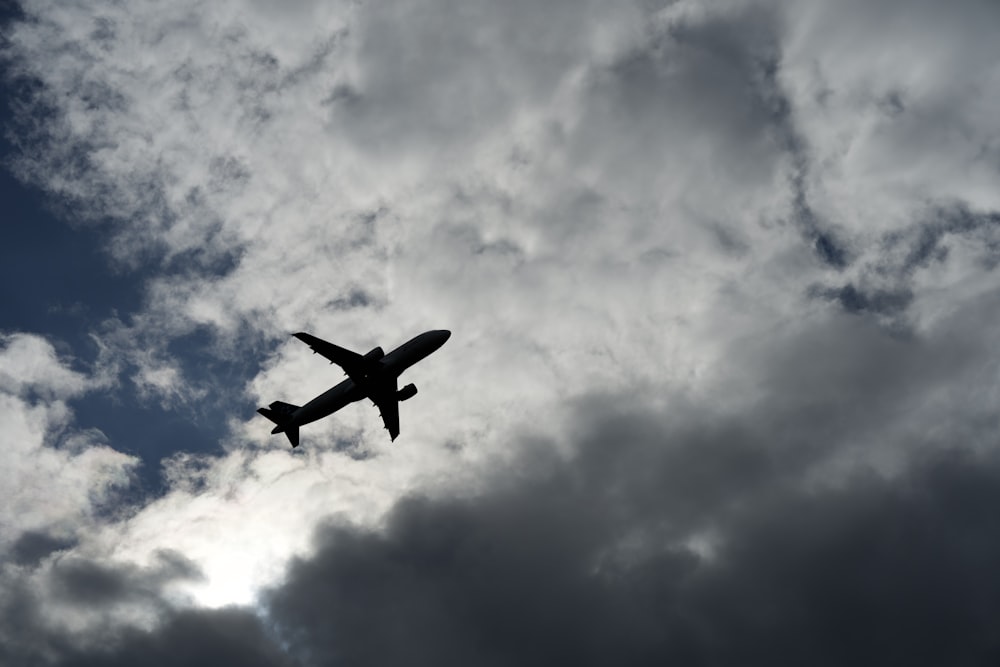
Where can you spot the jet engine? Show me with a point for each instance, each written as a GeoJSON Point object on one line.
{"type": "Point", "coordinates": [409, 391]}
{"type": "Point", "coordinates": [374, 355]}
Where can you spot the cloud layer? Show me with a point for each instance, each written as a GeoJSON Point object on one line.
{"type": "Point", "coordinates": [722, 284]}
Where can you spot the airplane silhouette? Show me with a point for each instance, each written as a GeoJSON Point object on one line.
{"type": "Point", "coordinates": [373, 376]}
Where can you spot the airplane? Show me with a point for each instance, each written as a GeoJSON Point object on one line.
{"type": "Point", "coordinates": [373, 376]}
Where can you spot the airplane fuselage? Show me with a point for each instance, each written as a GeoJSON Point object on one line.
{"type": "Point", "coordinates": [388, 367]}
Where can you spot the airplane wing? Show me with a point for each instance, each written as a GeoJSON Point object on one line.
{"type": "Point", "coordinates": [352, 362]}
{"type": "Point", "coordinates": [384, 398]}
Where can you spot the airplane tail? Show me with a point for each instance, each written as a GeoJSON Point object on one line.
{"type": "Point", "coordinates": [281, 414]}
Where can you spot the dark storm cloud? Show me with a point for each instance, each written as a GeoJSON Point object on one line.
{"type": "Point", "coordinates": [84, 582]}
{"type": "Point", "coordinates": [579, 562]}
{"type": "Point", "coordinates": [32, 546]}
{"type": "Point", "coordinates": [192, 638]}
{"type": "Point", "coordinates": [95, 590]}
{"type": "Point", "coordinates": [196, 638]}
{"type": "Point", "coordinates": [109, 606]}
{"type": "Point", "coordinates": [591, 560]}
{"type": "Point", "coordinates": [872, 572]}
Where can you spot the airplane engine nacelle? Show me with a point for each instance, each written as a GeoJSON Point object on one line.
{"type": "Point", "coordinates": [409, 391]}
{"type": "Point", "coordinates": [374, 355]}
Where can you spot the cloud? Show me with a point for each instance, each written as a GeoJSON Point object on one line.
{"type": "Point", "coordinates": [609, 135]}
{"type": "Point", "coordinates": [870, 571]}
{"type": "Point", "coordinates": [731, 535]}
{"type": "Point", "coordinates": [893, 144]}
{"type": "Point", "coordinates": [59, 480]}
{"type": "Point", "coordinates": [57, 477]}
{"type": "Point", "coordinates": [721, 280]}
{"type": "Point", "coordinates": [29, 365]}
{"type": "Point", "coordinates": [831, 487]}
{"type": "Point", "coordinates": [195, 637]}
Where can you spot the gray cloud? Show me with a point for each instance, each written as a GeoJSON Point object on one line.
{"type": "Point", "coordinates": [67, 605]}
{"type": "Point", "coordinates": [585, 561]}
{"type": "Point", "coordinates": [871, 571]}
{"type": "Point", "coordinates": [691, 535]}
{"type": "Point", "coordinates": [196, 637]}
{"type": "Point", "coordinates": [82, 582]}
{"type": "Point", "coordinates": [199, 638]}
{"type": "Point", "coordinates": [33, 546]}
{"type": "Point", "coordinates": [886, 278]}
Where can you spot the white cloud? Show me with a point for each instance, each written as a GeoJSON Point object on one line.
{"type": "Point", "coordinates": [55, 475]}
{"type": "Point", "coordinates": [29, 365]}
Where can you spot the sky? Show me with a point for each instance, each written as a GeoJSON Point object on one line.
{"type": "Point", "coordinates": [722, 285]}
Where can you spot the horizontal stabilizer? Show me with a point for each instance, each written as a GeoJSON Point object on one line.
{"type": "Point", "coordinates": [270, 414]}
{"type": "Point", "coordinates": [278, 412]}
{"type": "Point", "coordinates": [283, 408]}
{"type": "Point", "coordinates": [281, 414]}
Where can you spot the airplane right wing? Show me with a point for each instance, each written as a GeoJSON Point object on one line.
{"type": "Point", "coordinates": [352, 362]}
{"type": "Point", "coordinates": [384, 397]}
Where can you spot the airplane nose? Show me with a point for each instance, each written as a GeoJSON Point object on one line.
{"type": "Point", "coordinates": [444, 335]}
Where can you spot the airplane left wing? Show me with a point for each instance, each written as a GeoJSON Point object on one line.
{"type": "Point", "coordinates": [352, 362]}
{"type": "Point", "coordinates": [384, 398]}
